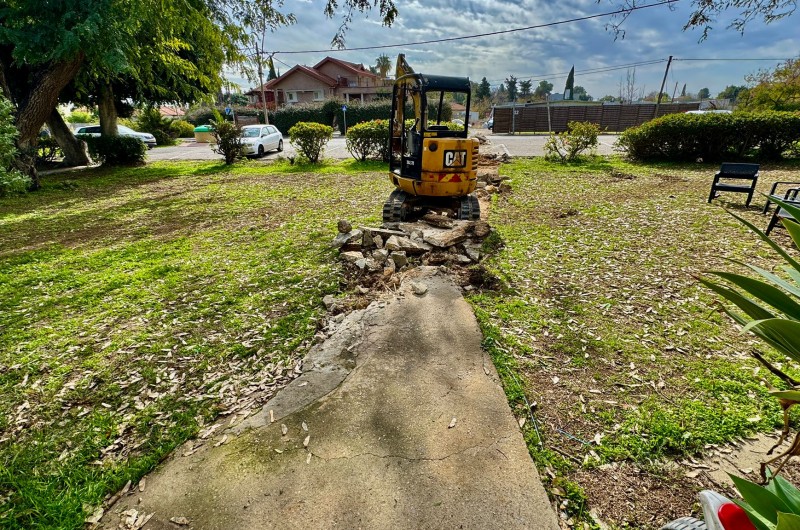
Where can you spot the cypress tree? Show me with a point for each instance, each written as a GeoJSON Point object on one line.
{"type": "Point", "coordinates": [569, 92]}
{"type": "Point", "coordinates": [272, 75]}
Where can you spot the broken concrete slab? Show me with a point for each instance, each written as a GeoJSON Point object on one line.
{"type": "Point", "coordinates": [405, 244]}
{"type": "Point", "coordinates": [351, 237]}
{"type": "Point", "coordinates": [398, 421]}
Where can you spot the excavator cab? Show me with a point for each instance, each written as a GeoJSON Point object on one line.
{"type": "Point", "coordinates": [433, 165]}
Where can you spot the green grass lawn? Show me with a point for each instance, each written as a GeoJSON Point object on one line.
{"type": "Point", "coordinates": [604, 327]}
{"type": "Point", "coordinates": [137, 304]}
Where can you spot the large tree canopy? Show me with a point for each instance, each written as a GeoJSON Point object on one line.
{"type": "Point", "coordinates": [707, 12]}
{"type": "Point", "coordinates": [151, 49]}
{"type": "Point", "coordinates": [777, 89]}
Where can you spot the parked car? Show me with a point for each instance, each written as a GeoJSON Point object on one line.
{"type": "Point", "coordinates": [489, 124]}
{"type": "Point", "coordinates": [258, 139]}
{"type": "Point", "coordinates": [94, 130]}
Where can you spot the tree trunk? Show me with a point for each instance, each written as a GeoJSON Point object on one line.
{"type": "Point", "coordinates": [34, 109]}
{"type": "Point", "coordinates": [74, 149]}
{"type": "Point", "coordinates": [108, 112]}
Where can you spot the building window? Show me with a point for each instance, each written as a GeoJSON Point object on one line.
{"type": "Point", "coordinates": [291, 97]}
{"type": "Point", "coordinates": [319, 95]}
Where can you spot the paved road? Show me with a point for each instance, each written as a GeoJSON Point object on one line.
{"type": "Point", "coordinates": [517, 146]}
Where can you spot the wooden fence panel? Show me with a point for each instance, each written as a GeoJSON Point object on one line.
{"type": "Point", "coordinates": [611, 118]}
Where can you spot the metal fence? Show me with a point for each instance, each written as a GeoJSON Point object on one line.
{"type": "Point", "coordinates": [611, 118]}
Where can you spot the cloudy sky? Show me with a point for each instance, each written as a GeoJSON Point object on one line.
{"type": "Point", "coordinates": [651, 35]}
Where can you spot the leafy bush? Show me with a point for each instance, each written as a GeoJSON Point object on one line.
{"type": "Point", "coordinates": [47, 149]}
{"type": "Point", "coordinates": [116, 150]}
{"type": "Point", "coordinates": [79, 116]}
{"type": "Point", "coordinates": [369, 140]}
{"type": "Point", "coordinates": [310, 138]}
{"type": "Point", "coordinates": [11, 180]}
{"type": "Point", "coordinates": [769, 308]}
{"type": "Point", "coordinates": [200, 115]}
{"type": "Point", "coordinates": [150, 120]}
{"type": "Point", "coordinates": [228, 137]}
{"type": "Point", "coordinates": [182, 129]}
{"type": "Point", "coordinates": [713, 137]}
{"type": "Point", "coordinates": [568, 145]}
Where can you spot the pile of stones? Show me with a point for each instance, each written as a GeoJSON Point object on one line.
{"type": "Point", "coordinates": [393, 247]}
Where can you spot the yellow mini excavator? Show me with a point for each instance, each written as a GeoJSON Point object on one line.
{"type": "Point", "coordinates": [432, 166]}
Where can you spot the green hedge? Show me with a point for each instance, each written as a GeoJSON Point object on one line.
{"type": "Point", "coordinates": [116, 150]}
{"type": "Point", "coordinates": [287, 117]}
{"type": "Point", "coordinates": [326, 113]}
{"type": "Point", "coordinates": [713, 137]}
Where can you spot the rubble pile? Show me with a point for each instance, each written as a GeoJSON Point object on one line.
{"type": "Point", "coordinates": [489, 180]}
{"type": "Point", "coordinates": [380, 252]}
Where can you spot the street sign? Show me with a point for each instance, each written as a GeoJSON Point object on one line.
{"type": "Point", "coordinates": [344, 108]}
{"type": "Point", "coordinates": [228, 111]}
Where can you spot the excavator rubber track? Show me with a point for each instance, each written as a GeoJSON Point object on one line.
{"type": "Point", "coordinates": [396, 207]}
{"type": "Point", "coordinates": [469, 208]}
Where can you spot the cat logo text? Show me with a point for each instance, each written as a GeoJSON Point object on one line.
{"type": "Point", "coordinates": [455, 158]}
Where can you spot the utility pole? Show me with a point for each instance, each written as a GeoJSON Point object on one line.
{"type": "Point", "coordinates": [259, 52]}
{"type": "Point", "coordinates": [547, 100]}
{"type": "Point", "coordinates": [674, 91]}
{"type": "Point", "coordinates": [663, 82]}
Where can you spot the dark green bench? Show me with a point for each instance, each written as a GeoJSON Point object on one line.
{"type": "Point", "coordinates": [790, 197]}
{"type": "Point", "coordinates": [735, 178]}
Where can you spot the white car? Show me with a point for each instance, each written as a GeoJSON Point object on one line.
{"type": "Point", "coordinates": [94, 130]}
{"type": "Point", "coordinates": [258, 139]}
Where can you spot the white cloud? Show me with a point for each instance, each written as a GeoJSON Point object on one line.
{"type": "Point", "coordinates": [650, 34]}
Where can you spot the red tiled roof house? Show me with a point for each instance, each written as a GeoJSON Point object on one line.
{"type": "Point", "coordinates": [330, 78]}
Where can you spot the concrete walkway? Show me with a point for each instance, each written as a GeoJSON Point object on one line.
{"type": "Point", "coordinates": [398, 422]}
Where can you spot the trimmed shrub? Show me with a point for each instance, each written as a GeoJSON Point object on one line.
{"type": "Point", "coordinates": [150, 120]}
{"type": "Point", "coordinates": [11, 180]}
{"type": "Point", "coordinates": [116, 150]}
{"type": "Point", "coordinates": [228, 136]}
{"type": "Point", "coordinates": [369, 140]}
{"type": "Point", "coordinates": [79, 116]}
{"type": "Point", "coordinates": [310, 138]}
{"type": "Point", "coordinates": [568, 145]}
{"type": "Point", "coordinates": [182, 129]}
{"type": "Point", "coordinates": [713, 137]}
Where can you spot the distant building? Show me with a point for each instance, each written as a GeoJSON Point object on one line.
{"type": "Point", "coordinates": [330, 78]}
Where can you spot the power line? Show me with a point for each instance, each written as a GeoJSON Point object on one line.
{"type": "Point", "coordinates": [591, 71]}
{"type": "Point", "coordinates": [490, 34]}
{"type": "Point", "coordinates": [604, 69]}
{"type": "Point", "coordinates": [729, 59]}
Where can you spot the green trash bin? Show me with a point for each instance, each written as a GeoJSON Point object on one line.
{"type": "Point", "coordinates": [202, 134]}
